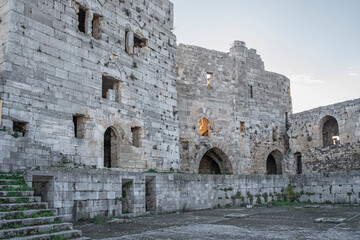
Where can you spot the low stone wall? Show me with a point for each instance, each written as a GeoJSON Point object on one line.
{"type": "Point", "coordinates": [89, 193]}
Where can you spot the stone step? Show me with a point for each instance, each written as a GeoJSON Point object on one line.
{"type": "Point", "coordinates": [16, 199]}
{"type": "Point", "coordinates": [81, 238]}
{"type": "Point", "coordinates": [35, 221]}
{"type": "Point", "coordinates": [8, 224]}
{"type": "Point", "coordinates": [9, 180]}
{"type": "Point", "coordinates": [15, 188]}
{"type": "Point", "coordinates": [22, 193]}
{"type": "Point", "coordinates": [7, 175]}
{"type": "Point", "coordinates": [4, 187]}
{"type": "Point", "coordinates": [71, 234]}
{"type": "Point", "coordinates": [16, 206]}
{"type": "Point", "coordinates": [35, 230]}
{"type": "Point", "coordinates": [27, 213]}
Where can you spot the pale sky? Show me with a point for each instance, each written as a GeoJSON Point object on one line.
{"type": "Point", "coordinates": [315, 43]}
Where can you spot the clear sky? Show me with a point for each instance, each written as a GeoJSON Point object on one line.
{"type": "Point", "coordinates": [315, 43]}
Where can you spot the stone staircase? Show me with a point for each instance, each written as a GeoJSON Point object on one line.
{"type": "Point", "coordinates": [24, 216]}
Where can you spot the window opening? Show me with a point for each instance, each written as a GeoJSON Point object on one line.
{"type": "Point", "coordinates": [82, 19]}
{"type": "Point", "coordinates": [242, 127]}
{"type": "Point", "coordinates": [209, 78]}
{"type": "Point", "coordinates": [78, 121]}
{"type": "Point", "coordinates": [136, 134]}
{"type": "Point", "coordinates": [204, 127]}
{"type": "Point", "coordinates": [96, 31]}
{"type": "Point", "coordinates": [110, 88]}
{"type": "Point", "coordinates": [20, 128]}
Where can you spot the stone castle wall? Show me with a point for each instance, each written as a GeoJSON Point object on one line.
{"type": "Point", "coordinates": [52, 71]}
{"type": "Point", "coordinates": [306, 137]}
{"type": "Point", "coordinates": [245, 105]}
{"type": "Point", "coordinates": [89, 193]}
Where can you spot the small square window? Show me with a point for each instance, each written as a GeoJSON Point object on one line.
{"type": "Point", "coordinates": [20, 127]}
{"type": "Point", "coordinates": [110, 88]}
{"type": "Point", "coordinates": [139, 42]}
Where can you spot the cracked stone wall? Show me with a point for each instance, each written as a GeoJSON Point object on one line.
{"type": "Point", "coordinates": [227, 89]}
{"type": "Point", "coordinates": [306, 137]}
{"type": "Point", "coordinates": [51, 71]}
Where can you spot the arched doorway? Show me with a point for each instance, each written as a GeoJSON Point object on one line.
{"type": "Point", "coordinates": [204, 127]}
{"type": "Point", "coordinates": [215, 161]}
{"type": "Point", "coordinates": [330, 131]}
{"type": "Point", "coordinates": [274, 163]}
{"type": "Point", "coordinates": [110, 148]}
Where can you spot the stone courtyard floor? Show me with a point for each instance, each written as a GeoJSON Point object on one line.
{"type": "Point", "coordinates": [276, 222]}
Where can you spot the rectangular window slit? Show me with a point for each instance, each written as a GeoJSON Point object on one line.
{"type": "Point", "coordinates": [242, 127]}
{"type": "Point", "coordinates": [79, 127]}
{"type": "Point", "coordinates": [96, 31]}
{"type": "Point", "coordinates": [82, 19]}
{"type": "Point", "coordinates": [136, 134]}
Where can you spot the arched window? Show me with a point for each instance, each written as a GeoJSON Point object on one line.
{"type": "Point", "coordinates": [110, 148]}
{"type": "Point", "coordinates": [204, 127]}
{"type": "Point", "coordinates": [330, 131]}
{"type": "Point", "coordinates": [298, 162]}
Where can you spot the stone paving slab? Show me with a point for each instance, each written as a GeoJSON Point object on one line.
{"type": "Point", "coordinates": [284, 222]}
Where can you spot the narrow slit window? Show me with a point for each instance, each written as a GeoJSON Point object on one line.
{"type": "Point", "coordinates": [242, 127]}
{"type": "Point", "coordinates": [81, 19]}
{"type": "Point", "coordinates": [96, 30]}
{"type": "Point", "coordinates": [136, 136]}
{"type": "Point", "coordinates": [251, 92]}
{"type": "Point", "coordinates": [209, 79]}
{"type": "Point", "coordinates": [79, 128]}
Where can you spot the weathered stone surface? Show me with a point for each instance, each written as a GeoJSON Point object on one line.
{"type": "Point", "coordinates": [246, 107]}
{"type": "Point", "coordinates": [237, 215]}
{"type": "Point", "coordinates": [330, 220]}
{"type": "Point", "coordinates": [52, 71]}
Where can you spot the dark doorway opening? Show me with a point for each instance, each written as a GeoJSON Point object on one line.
{"type": "Point", "coordinates": [215, 161]}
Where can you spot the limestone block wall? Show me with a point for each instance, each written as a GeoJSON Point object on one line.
{"type": "Point", "coordinates": [89, 193]}
{"type": "Point", "coordinates": [306, 137]}
{"type": "Point", "coordinates": [245, 105]}
{"type": "Point", "coordinates": [115, 70]}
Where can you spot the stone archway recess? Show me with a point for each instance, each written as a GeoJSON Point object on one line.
{"type": "Point", "coordinates": [214, 161]}
{"type": "Point", "coordinates": [329, 131]}
{"type": "Point", "coordinates": [274, 162]}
